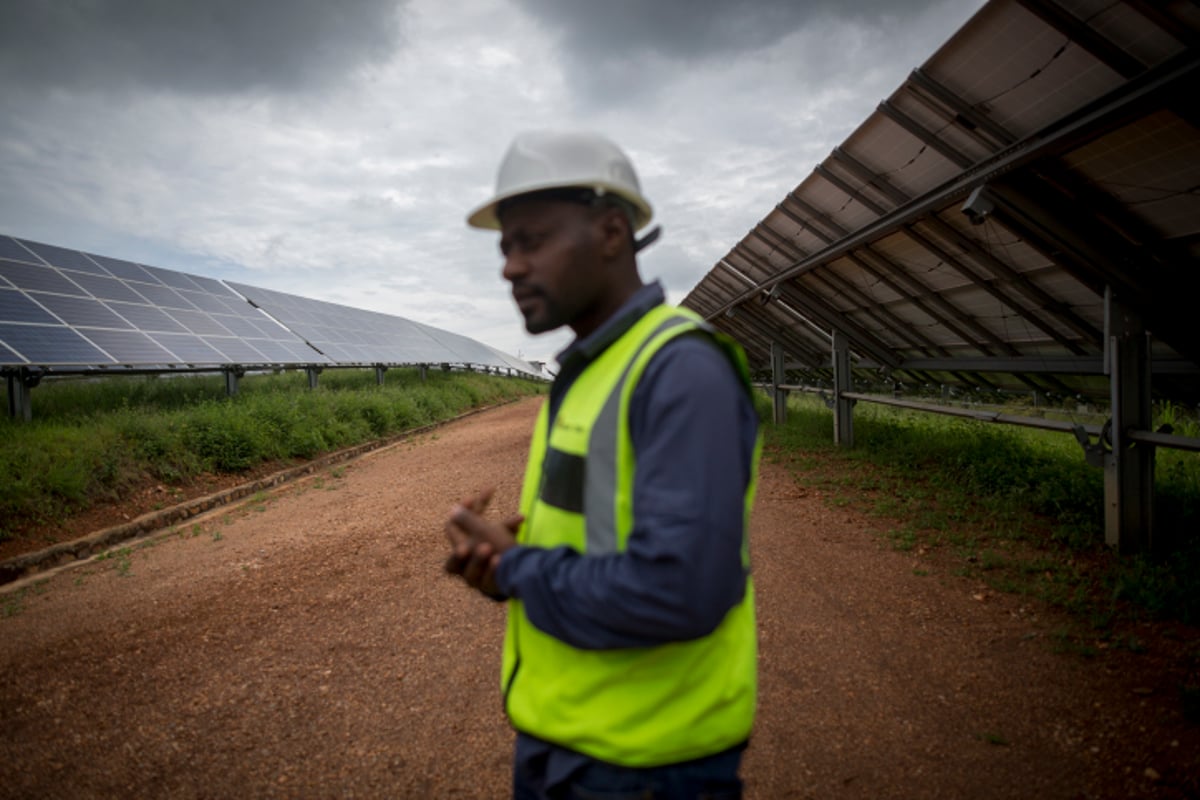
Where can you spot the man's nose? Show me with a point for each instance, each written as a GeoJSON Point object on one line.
{"type": "Point", "coordinates": [515, 266]}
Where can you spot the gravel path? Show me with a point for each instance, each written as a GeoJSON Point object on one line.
{"type": "Point", "coordinates": [306, 644]}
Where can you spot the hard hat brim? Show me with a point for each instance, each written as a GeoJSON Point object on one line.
{"type": "Point", "coordinates": [485, 215]}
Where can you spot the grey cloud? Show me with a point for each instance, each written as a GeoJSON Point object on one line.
{"type": "Point", "coordinates": [194, 46]}
{"type": "Point", "coordinates": [626, 52]}
{"type": "Point", "coordinates": [697, 29]}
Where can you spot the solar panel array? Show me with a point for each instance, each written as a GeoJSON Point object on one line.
{"type": "Point", "coordinates": [1042, 163]}
{"type": "Point", "coordinates": [67, 311]}
{"type": "Point", "coordinates": [354, 336]}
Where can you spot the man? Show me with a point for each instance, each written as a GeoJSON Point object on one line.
{"type": "Point", "coordinates": [629, 658]}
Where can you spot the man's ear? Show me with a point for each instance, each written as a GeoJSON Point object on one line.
{"type": "Point", "coordinates": [615, 232]}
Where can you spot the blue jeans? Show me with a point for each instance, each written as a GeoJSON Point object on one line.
{"type": "Point", "coordinates": [542, 771]}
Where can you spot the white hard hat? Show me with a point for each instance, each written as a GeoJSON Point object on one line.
{"type": "Point", "coordinates": [541, 160]}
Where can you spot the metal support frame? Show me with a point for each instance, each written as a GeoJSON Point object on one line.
{"type": "Point", "coordinates": [843, 406]}
{"type": "Point", "coordinates": [1147, 92]}
{"type": "Point", "coordinates": [778, 378]}
{"type": "Point", "coordinates": [380, 369]}
{"type": "Point", "coordinates": [313, 374]}
{"type": "Point", "coordinates": [232, 376]}
{"type": "Point", "coordinates": [1129, 469]}
{"type": "Point", "coordinates": [424, 368]}
{"type": "Point", "coordinates": [20, 391]}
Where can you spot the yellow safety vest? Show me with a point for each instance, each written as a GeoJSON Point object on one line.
{"type": "Point", "coordinates": [638, 706]}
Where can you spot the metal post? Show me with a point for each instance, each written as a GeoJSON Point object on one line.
{"type": "Point", "coordinates": [20, 402]}
{"type": "Point", "coordinates": [424, 367]}
{"type": "Point", "coordinates": [379, 370]}
{"type": "Point", "coordinates": [231, 382]}
{"type": "Point", "coordinates": [843, 407]}
{"type": "Point", "coordinates": [778, 395]}
{"type": "Point", "coordinates": [1129, 470]}
{"type": "Point", "coordinates": [312, 373]}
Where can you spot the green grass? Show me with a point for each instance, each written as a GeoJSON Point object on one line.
{"type": "Point", "coordinates": [1019, 508]}
{"type": "Point", "coordinates": [92, 441]}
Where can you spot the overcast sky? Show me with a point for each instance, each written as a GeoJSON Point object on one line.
{"type": "Point", "coordinates": [332, 149]}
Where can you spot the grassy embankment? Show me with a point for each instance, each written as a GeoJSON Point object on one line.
{"type": "Point", "coordinates": [92, 441]}
{"type": "Point", "coordinates": [1016, 508]}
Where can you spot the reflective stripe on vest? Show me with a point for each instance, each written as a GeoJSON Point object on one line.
{"type": "Point", "coordinates": [635, 706]}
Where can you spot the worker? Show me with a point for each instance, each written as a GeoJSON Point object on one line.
{"type": "Point", "coordinates": [629, 666]}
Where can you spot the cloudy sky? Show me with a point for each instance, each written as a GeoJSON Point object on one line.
{"type": "Point", "coordinates": [332, 150]}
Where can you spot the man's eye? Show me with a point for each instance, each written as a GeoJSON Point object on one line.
{"type": "Point", "coordinates": [524, 244]}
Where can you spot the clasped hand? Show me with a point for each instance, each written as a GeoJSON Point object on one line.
{"type": "Point", "coordinates": [476, 544]}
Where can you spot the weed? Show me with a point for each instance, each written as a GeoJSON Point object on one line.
{"type": "Point", "coordinates": [338, 472]}
{"type": "Point", "coordinates": [216, 536]}
{"type": "Point", "coordinates": [903, 539]}
{"type": "Point", "coordinates": [1066, 642]}
{"type": "Point", "coordinates": [10, 606]}
{"type": "Point", "coordinates": [993, 738]}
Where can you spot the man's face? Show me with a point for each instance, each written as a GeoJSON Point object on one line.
{"type": "Point", "coordinates": [551, 259]}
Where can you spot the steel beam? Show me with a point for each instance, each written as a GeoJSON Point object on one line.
{"type": "Point", "coordinates": [1129, 468]}
{"type": "Point", "coordinates": [827, 317]}
{"type": "Point", "coordinates": [1050, 222]}
{"type": "Point", "coordinates": [923, 134]}
{"type": "Point", "coordinates": [778, 377]}
{"type": "Point", "coordinates": [899, 197]}
{"type": "Point", "coordinates": [966, 115]}
{"type": "Point", "coordinates": [20, 402]}
{"type": "Point", "coordinates": [843, 406]}
{"type": "Point", "coordinates": [1111, 55]}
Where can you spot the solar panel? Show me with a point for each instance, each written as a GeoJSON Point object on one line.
{"type": "Point", "coordinates": [17, 307]}
{"type": "Point", "coordinates": [161, 296]}
{"type": "Point", "coordinates": [10, 249]}
{"type": "Point", "coordinates": [50, 345]}
{"type": "Point", "coordinates": [107, 288]}
{"type": "Point", "coordinates": [66, 308]}
{"type": "Point", "coordinates": [68, 259]}
{"type": "Point", "coordinates": [130, 347]}
{"type": "Point", "coordinates": [125, 270]}
{"type": "Point", "coordinates": [877, 243]}
{"type": "Point", "coordinates": [62, 308]}
{"type": "Point", "coordinates": [236, 350]}
{"type": "Point", "coordinates": [80, 312]}
{"type": "Point", "coordinates": [350, 335]}
{"type": "Point", "coordinates": [147, 318]}
{"type": "Point", "coordinates": [38, 278]}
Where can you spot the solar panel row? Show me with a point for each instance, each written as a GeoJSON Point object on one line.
{"type": "Point", "coordinates": [61, 307]}
{"type": "Point", "coordinates": [65, 308]}
{"type": "Point", "coordinates": [354, 336]}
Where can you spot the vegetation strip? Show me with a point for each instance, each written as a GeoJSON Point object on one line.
{"type": "Point", "coordinates": [67, 553]}
{"type": "Point", "coordinates": [1017, 509]}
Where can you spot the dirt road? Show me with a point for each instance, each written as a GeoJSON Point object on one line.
{"type": "Point", "coordinates": [306, 644]}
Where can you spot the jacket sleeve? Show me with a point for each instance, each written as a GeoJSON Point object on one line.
{"type": "Point", "coordinates": [693, 429]}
